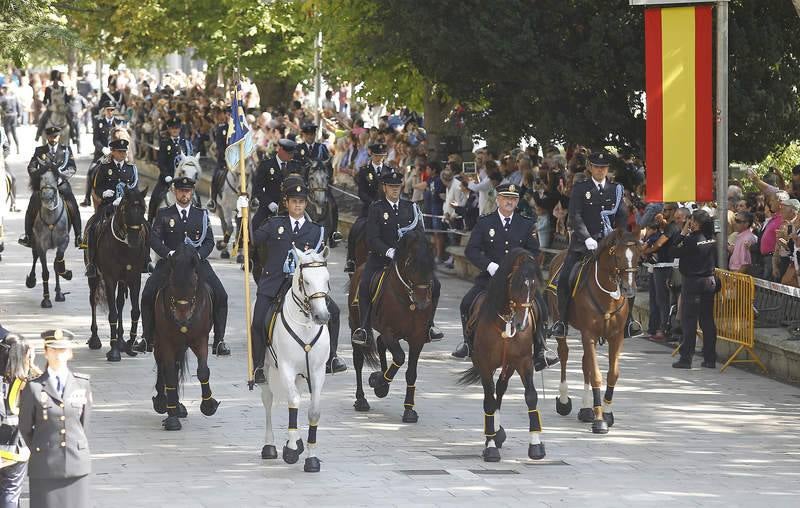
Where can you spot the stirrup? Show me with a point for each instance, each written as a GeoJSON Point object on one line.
{"type": "Point", "coordinates": [356, 337]}
{"type": "Point", "coordinates": [559, 329]}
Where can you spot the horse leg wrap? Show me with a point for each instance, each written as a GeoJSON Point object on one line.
{"type": "Point", "coordinates": [488, 425]}
{"type": "Point", "coordinates": [391, 372]}
{"type": "Point", "coordinates": [206, 389]}
{"type": "Point", "coordinates": [534, 420]}
{"type": "Point", "coordinates": [607, 398]}
{"type": "Point", "coordinates": [172, 400]}
{"type": "Point", "coordinates": [60, 266]}
{"type": "Point", "coordinates": [597, 403]}
{"type": "Point", "coordinates": [409, 402]}
{"type": "Point", "coordinates": [312, 435]}
{"type": "Point", "coordinates": [292, 418]}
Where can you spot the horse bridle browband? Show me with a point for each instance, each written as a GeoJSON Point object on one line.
{"type": "Point", "coordinates": [305, 302]}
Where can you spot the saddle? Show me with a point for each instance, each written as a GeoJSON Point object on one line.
{"type": "Point", "coordinates": [275, 309]}
{"type": "Point", "coordinates": [574, 276]}
{"type": "Point", "coordinates": [472, 320]}
{"type": "Point", "coordinates": [375, 287]}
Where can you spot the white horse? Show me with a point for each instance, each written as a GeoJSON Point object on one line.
{"type": "Point", "coordinates": [297, 354]}
{"type": "Point", "coordinates": [227, 212]}
{"type": "Point", "coordinates": [188, 166]}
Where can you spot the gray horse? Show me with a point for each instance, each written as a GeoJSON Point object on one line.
{"type": "Point", "coordinates": [50, 231]}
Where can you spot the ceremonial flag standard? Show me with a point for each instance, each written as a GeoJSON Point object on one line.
{"type": "Point", "coordinates": [679, 129]}
{"type": "Point", "coordinates": [238, 132]}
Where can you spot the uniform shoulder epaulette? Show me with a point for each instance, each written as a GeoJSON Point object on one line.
{"type": "Point", "coordinates": [79, 375]}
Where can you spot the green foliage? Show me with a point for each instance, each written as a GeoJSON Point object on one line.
{"type": "Point", "coordinates": [784, 159]}
{"type": "Point", "coordinates": [26, 24]}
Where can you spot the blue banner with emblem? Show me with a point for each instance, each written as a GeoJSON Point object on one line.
{"type": "Point", "coordinates": [238, 132]}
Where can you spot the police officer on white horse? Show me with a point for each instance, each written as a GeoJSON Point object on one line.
{"type": "Point", "coordinates": [184, 223]}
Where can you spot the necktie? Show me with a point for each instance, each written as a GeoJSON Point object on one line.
{"type": "Point", "coordinates": [507, 221]}
{"type": "Point", "coordinates": [282, 165]}
{"type": "Point", "coordinates": [600, 187]}
{"type": "Point", "coordinates": [183, 215]}
{"type": "Point", "coordinates": [394, 207]}
{"type": "Point", "coordinates": [296, 227]}
{"type": "Point", "coordinates": [59, 386]}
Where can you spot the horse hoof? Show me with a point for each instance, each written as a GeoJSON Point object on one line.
{"type": "Point", "coordinates": [609, 418]}
{"type": "Point", "coordinates": [586, 415]}
{"type": "Point", "coordinates": [60, 297]}
{"type": "Point", "coordinates": [373, 379]}
{"type": "Point", "coordinates": [536, 451]}
{"type": "Point", "coordinates": [209, 407]}
{"type": "Point", "coordinates": [47, 304]}
{"type": "Point", "coordinates": [128, 347]}
{"type": "Point", "coordinates": [311, 465]}
{"type": "Point", "coordinates": [491, 454]}
{"type": "Point", "coordinates": [221, 245]}
{"type": "Point", "coordinates": [500, 437]}
{"type": "Point", "coordinates": [361, 405]}
{"type": "Point", "coordinates": [94, 342]}
{"type": "Point", "coordinates": [67, 275]}
{"type": "Point", "coordinates": [410, 416]}
{"type": "Point", "coordinates": [171, 423]}
{"type": "Point", "coordinates": [30, 281]}
{"type": "Point", "coordinates": [382, 390]}
{"type": "Point", "coordinates": [113, 355]}
{"type": "Point", "coordinates": [182, 413]}
{"type": "Point", "coordinates": [269, 452]}
{"type": "Point", "coordinates": [240, 258]}
{"type": "Point", "coordinates": [290, 456]}
{"type": "Point", "coordinates": [160, 404]}
{"type": "Point", "coordinates": [224, 255]}
{"type": "Point", "coordinates": [599, 427]}
{"type": "Point", "coordinates": [563, 409]}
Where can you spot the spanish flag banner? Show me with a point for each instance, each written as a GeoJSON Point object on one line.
{"type": "Point", "coordinates": [679, 129]}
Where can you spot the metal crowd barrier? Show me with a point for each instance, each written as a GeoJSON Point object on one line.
{"type": "Point", "coordinates": [734, 316]}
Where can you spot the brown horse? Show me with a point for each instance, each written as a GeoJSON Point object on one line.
{"type": "Point", "coordinates": [403, 309]}
{"type": "Point", "coordinates": [183, 320]}
{"type": "Point", "coordinates": [599, 310]}
{"type": "Point", "coordinates": [121, 249]}
{"type": "Point", "coordinates": [503, 321]}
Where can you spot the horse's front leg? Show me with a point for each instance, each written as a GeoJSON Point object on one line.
{"type": "Point", "coordinates": [410, 415]}
{"type": "Point", "coordinates": [30, 280]}
{"type": "Point", "coordinates": [563, 402]}
{"type": "Point", "coordinates": [380, 381]}
{"type": "Point", "coordinates": [312, 464]}
{"type": "Point", "coordinates": [46, 303]}
{"type": "Point", "coordinates": [113, 354]}
{"type": "Point", "coordinates": [535, 447]}
{"type": "Point", "coordinates": [586, 414]}
{"type": "Point", "coordinates": [268, 451]}
{"type": "Point", "coordinates": [169, 367]}
{"type": "Point", "coordinates": [60, 269]}
{"type": "Point", "coordinates": [490, 452]}
{"type": "Point", "coordinates": [614, 352]}
{"type": "Point", "coordinates": [209, 405]}
{"type": "Point", "coordinates": [599, 425]}
{"type": "Point", "coordinates": [94, 340]}
{"type": "Point", "coordinates": [160, 398]}
{"type": "Point", "coordinates": [361, 403]}
{"type": "Point", "coordinates": [294, 445]}
{"type": "Point", "coordinates": [134, 288]}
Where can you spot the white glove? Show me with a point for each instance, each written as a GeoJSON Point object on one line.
{"type": "Point", "coordinates": [390, 253]}
{"type": "Point", "coordinates": [117, 201]}
{"type": "Point", "coordinates": [108, 193]}
{"type": "Point", "coordinates": [106, 150]}
{"type": "Point", "coordinates": [492, 268]}
{"type": "Point", "coordinates": [591, 243]}
{"type": "Point", "coordinates": [169, 255]}
{"type": "Point", "coordinates": [273, 207]}
{"type": "Point", "coordinates": [242, 202]}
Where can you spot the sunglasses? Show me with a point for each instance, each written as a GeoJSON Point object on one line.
{"type": "Point", "coordinates": [740, 221]}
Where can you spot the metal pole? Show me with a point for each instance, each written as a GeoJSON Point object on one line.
{"type": "Point", "coordinates": [100, 73]}
{"type": "Point", "coordinates": [722, 132]}
{"type": "Point", "coordinates": [317, 82]}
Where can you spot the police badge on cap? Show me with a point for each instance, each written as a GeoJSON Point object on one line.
{"type": "Point", "coordinates": [508, 190]}
{"type": "Point", "coordinates": [184, 182]}
{"type": "Point", "coordinates": [600, 159]}
{"type": "Point", "coordinates": [52, 131]}
{"type": "Point", "coordinates": [119, 144]}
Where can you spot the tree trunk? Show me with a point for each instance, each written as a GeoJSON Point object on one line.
{"type": "Point", "coordinates": [72, 59]}
{"type": "Point", "coordinates": [436, 109]}
{"type": "Point", "coordinates": [275, 92]}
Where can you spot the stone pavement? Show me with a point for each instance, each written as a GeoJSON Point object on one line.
{"type": "Point", "coordinates": [681, 438]}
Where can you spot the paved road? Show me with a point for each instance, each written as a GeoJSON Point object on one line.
{"type": "Point", "coordinates": [697, 438]}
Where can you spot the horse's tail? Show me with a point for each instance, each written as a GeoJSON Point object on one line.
{"type": "Point", "coordinates": [370, 353]}
{"type": "Point", "coordinates": [100, 301]}
{"type": "Point", "coordinates": [470, 376]}
{"type": "Point", "coordinates": [182, 363]}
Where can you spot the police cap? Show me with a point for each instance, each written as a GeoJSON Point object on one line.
{"type": "Point", "coordinates": [119, 144]}
{"type": "Point", "coordinates": [508, 190]}
{"type": "Point", "coordinates": [600, 159]}
{"type": "Point", "coordinates": [183, 182]}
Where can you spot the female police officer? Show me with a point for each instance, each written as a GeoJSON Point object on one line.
{"type": "Point", "coordinates": [53, 418]}
{"type": "Point", "coordinates": [696, 248]}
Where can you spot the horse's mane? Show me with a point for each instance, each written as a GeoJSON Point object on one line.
{"type": "Point", "coordinates": [181, 264]}
{"type": "Point", "coordinates": [616, 236]}
{"type": "Point", "coordinates": [415, 248]}
{"type": "Point", "coordinates": [497, 290]}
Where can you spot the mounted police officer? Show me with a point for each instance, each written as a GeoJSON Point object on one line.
{"type": "Point", "coordinates": [368, 182]}
{"type": "Point", "coordinates": [268, 181]}
{"type": "Point", "coordinates": [54, 416]}
{"type": "Point", "coordinates": [174, 225]}
{"type": "Point", "coordinates": [595, 210]}
{"type": "Point", "coordinates": [386, 216]}
{"type": "Point", "coordinates": [170, 151]}
{"type": "Point", "coordinates": [494, 235]}
{"type": "Point", "coordinates": [104, 124]}
{"type": "Point", "coordinates": [220, 134]}
{"type": "Point", "coordinates": [310, 152]}
{"type": "Point", "coordinates": [109, 182]}
{"type": "Point", "coordinates": [309, 148]}
{"type": "Point", "coordinates": [275, 240]}
{"type": "Point", "coordinates": [58, 158]}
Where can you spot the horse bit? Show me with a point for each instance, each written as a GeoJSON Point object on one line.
{"type": "Point", "coordinates": [305, 302]}
{"type": "Point", "coordinates": [409, 289]}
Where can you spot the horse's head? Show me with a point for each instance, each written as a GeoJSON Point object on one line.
{"type": "Point", "coordinates": [132, 209]}
{"type": "Point", "coordinates": [318, 181]}
{"type": "Point", "coordinates": [312, 283]}
{"type": "Point", "coordinates": [183, 281]}
{"type": "Point", "coordinates": [188, 166]}
{"type": "Point", "coordinates": [414, 263]}
{"type": "Point", "coordinates": [618, 255]}
{"type": "Point", "coordinates": [48, 190]}
{"type": "Point", "coordinates": [512, 290]}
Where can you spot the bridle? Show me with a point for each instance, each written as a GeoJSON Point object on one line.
{"type": "Point", "coordinates": [122, 237]}
{"type": "Point", "coordinates": [304, 300]}
{"type": "Point", "coordinates": [409, 287]}
{"type": "Point", "coordinates": [616, 296]}
{"type": "Point", "coordinates": [513, 305]}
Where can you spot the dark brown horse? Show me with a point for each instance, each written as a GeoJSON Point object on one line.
{"type": "Point", "coordinates": [599, 310]}
{"type": "Point", "coordinates": [403, 310]}
{"type": "Point", "coordinates": [183, 320]}
{"type": "Point", "coordinates": [503, 321]}
{"type": "Point", "coordinates": [121, 250]}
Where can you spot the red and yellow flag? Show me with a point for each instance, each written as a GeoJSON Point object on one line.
{"type": "Point", "coordinates": [679, 129]}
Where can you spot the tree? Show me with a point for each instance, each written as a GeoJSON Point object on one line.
{"type": "Point", "coordinates": [30, 23]}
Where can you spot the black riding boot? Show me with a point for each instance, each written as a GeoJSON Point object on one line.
{"type": "Point", "coordinates": [335, 364]}
{"type": "Point", "coordinates": [30, 217]}
{"type": "Point", "coordinates": [350, 263]}
{"type": "Point", "coordinates": [434, 333]}
{"type": "Point", "coordinates": [464, 350]}
{"type": "Point", "coordinates": [74, 215]}
{"type": "Point", "coordinates": [91, 270]}
{"type": "Point", "coordinates": [87, 198]}
{"type": "Point", "coordinates": [363, 335]}
{"type": "Point", "coordinates": [559, 328]}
